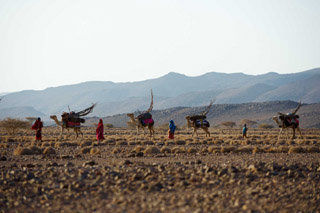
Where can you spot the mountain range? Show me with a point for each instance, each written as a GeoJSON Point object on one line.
{"type": "Point", "coordinates": [261, 113]}
{"type": "Point", "coordinates": [171, 90]}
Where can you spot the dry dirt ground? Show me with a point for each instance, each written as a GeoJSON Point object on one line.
{"type": "Point", "coordinates": [132, 173]}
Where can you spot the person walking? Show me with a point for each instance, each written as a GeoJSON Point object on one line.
{"type": "Point", "coordinates": [99, 131]}
{"type": "Point", "coordinates": [244, 131]}
{"type": "Point", "coordinates": [172, 129]}
{"type": "Point", "coordinates": [37, 126]}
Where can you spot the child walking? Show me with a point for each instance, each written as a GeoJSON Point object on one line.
{"type": "Point", "coordinates": [244, 131]}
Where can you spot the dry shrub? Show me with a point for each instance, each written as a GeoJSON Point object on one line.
{"type": "Point", "coordinates": [132, 143]}
{"type": "Point", "coordinates": [35, 150]}
{"type": "Point", "coordinates": [181, 142]}
{"type": "Point", "coordinates": [49, 151]}
{"type": "Point", "coordinates": [313, 149]}
{"type": "Point", "coordinates": [86, 143]}
{"type": "Point", "coordinates": [296, 149]}
{"type": "Point", "coordinates": [244, 149]}
{"type": "Point", "coordinates": [121, 143]}
{"type": "Point", "coordinates": [213, 149]}
{"type": "Point", "coordinates": [227, 149]}
{"type": "Point", "coordinates": [151, 150]}
{"type": "Point", "coordinates": [257, 150]}
{"type": "Point", "coordinates": [85, 150]}
{"type": "Point", "coordinates": [229, 124]}
{"type": "Point", "coordinates": [192, 150]}
{"type": "Point", "coordinates": [45, 144]}
{"type": "Point", "coordinates": [178, 150]}
{"type": "Point", "coordinates": [70, 144]}
{"type": "Point", "coordinates": [165, 150]}
{"type": "Point", "coordinates": [138, 149]}
{"type": "Point", "coordinates": [57, 145]}
{"type": "Point", "coordinates": [168, 143]}
{"type": "Point", "coordinates": [22, 151]}
{"type": "Point", "coordinates": [4, 145]}
{"type": "Point", "coordinates": [11, 125]}
{"type": "Point", "coordinates": [147, 143]}
{"type": "Point", "coordinates": [94, 151]}
{"type": "Point", "coordinates": [265, 126]}
{"type": "Point", "coordinates": [116, 150]}
{"type": "Point", "coordinates": [204, 150]}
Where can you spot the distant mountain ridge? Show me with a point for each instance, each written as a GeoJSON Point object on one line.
{"type": "Point", "coordinates": [258, 112]}
{"type": "Point", "coordinates": [170, 90]}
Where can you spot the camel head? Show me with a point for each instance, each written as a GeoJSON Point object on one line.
{"type": "Point", "coordinates": [276, 119]}
{"type": "Point", "coordinates": [54, 117]}
{"type": "Point", "coordinates": [130, 115]}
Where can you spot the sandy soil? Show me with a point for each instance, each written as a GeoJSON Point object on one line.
{"type": "Point", "coordinates": [132, 173]}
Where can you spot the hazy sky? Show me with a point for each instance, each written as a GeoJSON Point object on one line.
{"type": "Point", "coordinates": [56, 42]}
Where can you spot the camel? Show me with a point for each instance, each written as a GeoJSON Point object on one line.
{"type": "Point", "coordinates": [283, 123]}
{"type": "Point", "coordinates": [138, 121]}
{"type": "Point", "coordinates": [74, 118]}
{"type": "Point", "coordinates": [199, 122]}
{"type": "Point", "coordinates": [59, 123]}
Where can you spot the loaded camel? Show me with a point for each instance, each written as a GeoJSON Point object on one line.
{"type": "Point", "coordinates": [143, 120]}
{"type": "Point", "coordinates": [72, 120]}
{"type": "Point", "coordinates": [199, 121]}
{"type": "Point", "coordinates": [289, 120]}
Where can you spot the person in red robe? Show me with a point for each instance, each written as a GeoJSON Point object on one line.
{"type": "Point", "coordinates": [99, 131]}
{"type": "Point", "coordinates": [38, 127]}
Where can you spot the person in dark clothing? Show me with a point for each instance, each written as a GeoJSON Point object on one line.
{"type": "Point", "coordinates": [38, 127]}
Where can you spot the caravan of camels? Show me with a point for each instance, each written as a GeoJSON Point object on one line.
{"type": "Point", "coordinates": [73, 120]}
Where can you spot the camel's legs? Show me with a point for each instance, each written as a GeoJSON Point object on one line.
{"type": "Point", "coordinates": [61, 132]}
{"type": "Point", "coordinates": [298, 128]}
{"type": "Point", "coordinates": [293, 133]}
{"type": "Point", "coordinates": [206, 131]}
{"type": "Point", "coordinates": [81, 133]}
{"type": "Point", "coordinates": [280, 133]}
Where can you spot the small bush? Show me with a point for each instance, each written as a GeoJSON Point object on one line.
{"type": "Point", "coordinates": [229, 124]}
{"type": "Point", "coordinates": [116, 150]}
{"type": "Point", "coordinates": [266, 126]}
{"type": "Point", "coordinates": [244, 149]}
{"type": "Point", "coordinates": [49, 151]}
{"type": "Point", "coordinates": [85, 150]}
{"type": "Point", "coordinates": [213, 149]}
{"type": "Point", "coordinates": [94, 151]}
{"type": "Point", "coordinates": [35, 150]}
{"type": "Point", "coordinates": [12, 125]}
{"type": "Point", "coordinates": [295, 149]}
{"type": "Point", "coordinates": [22, 151]}
{"type": "Point", "coordinates": [227, 149]}
{"type": "Point", "coordinates": [151, 150]}
{"type": "Point", "coordinates": [165, 150]}
{"type": "Point", "coordinates": [192, 150]}
{"type": "Point", "coordinates": [138, 149]}
{"type": "Point", "coordinates": [181, 142]}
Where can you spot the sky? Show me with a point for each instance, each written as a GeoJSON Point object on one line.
{"type": "Point", "coordinates": [45, 43]}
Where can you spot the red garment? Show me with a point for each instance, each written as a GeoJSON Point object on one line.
{"type": "Point", "coordinates": [171, 135]}
{"type": "Point", "coordinates": [99, 131]}
{"type": "Point", "coordinates": [38, 127]}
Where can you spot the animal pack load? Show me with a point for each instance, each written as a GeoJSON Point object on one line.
{"type": "Point", "coordinates": [200, 120]}
{"type": "Point", "coordinates": [289, 120]}
{"type": "Point", "coordinates": [73, 119]}
{"type": "Point", "coordinates": [145, 119]}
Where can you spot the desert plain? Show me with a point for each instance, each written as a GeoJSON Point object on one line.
{"type": "Point", "coordinates": [133, 173]}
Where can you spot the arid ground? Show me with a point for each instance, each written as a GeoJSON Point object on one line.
{"type": "Point", "coordinates": [132, 173]}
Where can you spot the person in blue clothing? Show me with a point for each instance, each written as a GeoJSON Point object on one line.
{"type": "Point", "coordinates": [244, 131]}
{"type": "Point", "coordinates": [172, 129]}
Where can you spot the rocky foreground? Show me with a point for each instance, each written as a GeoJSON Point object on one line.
{"type": "Point", "coordinates": [67, 180]}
